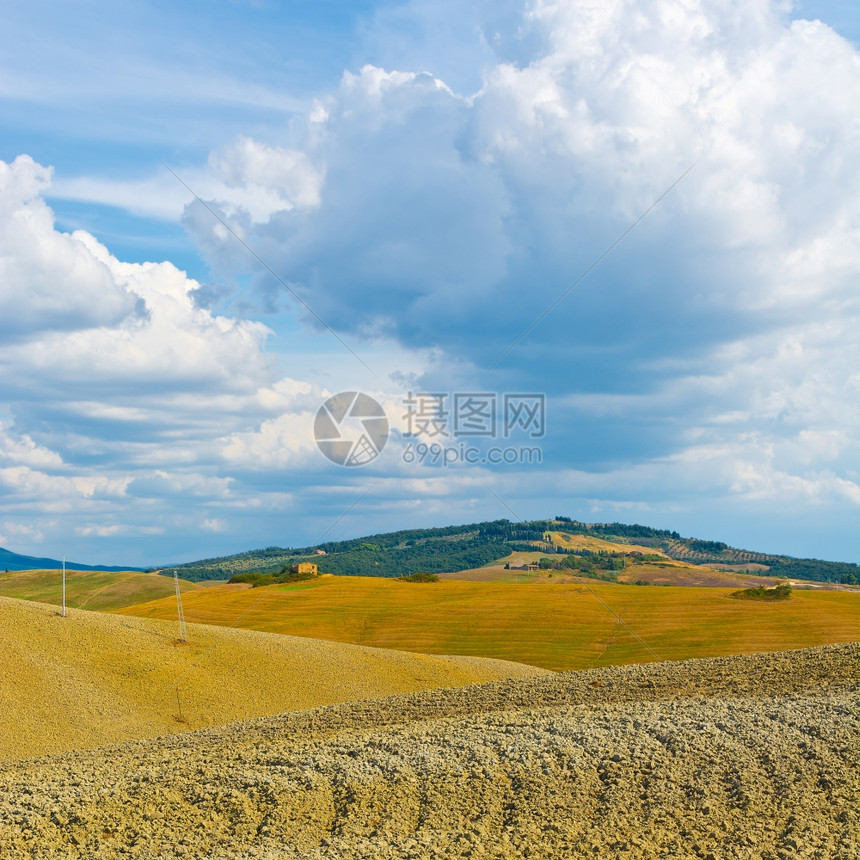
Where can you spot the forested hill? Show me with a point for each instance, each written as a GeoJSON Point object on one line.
{"type": "Point", "coordinates": [12, 561]}
{"type": "Point", "coordinates": [454, 548]}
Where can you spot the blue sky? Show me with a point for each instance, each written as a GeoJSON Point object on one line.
{"type": "Point", "coordinates": [409, 187]}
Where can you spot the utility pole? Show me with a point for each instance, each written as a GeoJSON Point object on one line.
{"type": "Point", "coordinates": [183, 630]}
{"type": "Point", "coordinates": [64, 586]}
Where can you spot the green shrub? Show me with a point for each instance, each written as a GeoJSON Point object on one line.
{"type": "Point", "coordinates": [780, 592]}
{"type": "Point", "coordinates": [419, 577]}
{"type": "Point", "coordinates": [255, 579]}
{"type": "Point", "coordinates": [285, 576]}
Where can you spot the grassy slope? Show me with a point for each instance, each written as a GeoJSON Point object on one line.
{"type": "Point", "coordinates": [667, 572]}
{"type": "Point", "coordinates": [563, 626]}
{"type": "Point", "coordinates": [676, 574]}
{"type": "Point", "coordinates": [89, 589]}
{"type": "Point", "coordinates": [569, 541]}
{"type": "Point", "coordinates": [701, 576]}
{"type": "Point", "coordinates": [90, 678]}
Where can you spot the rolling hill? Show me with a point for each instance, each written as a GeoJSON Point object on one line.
{"type": "Point", "coordinates": [454, 548]}
{"type": "Point", "coordinates": [727, 758]}
{"type": "Point", "coordinates": [91, 679]}
{"type": "Point", "coordinates": [10, 561]}
{"type": "Point", "coordinates": [86, 589]}
{"type": "Point", "coordinates": [554, 626]}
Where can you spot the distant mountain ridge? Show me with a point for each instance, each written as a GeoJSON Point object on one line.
{"type": "Point", "coordinates": [12, 561]}
{"type": "Point", "coordinates": [453, 548]}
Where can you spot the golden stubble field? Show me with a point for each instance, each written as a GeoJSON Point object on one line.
{"type": "Point", "coordinates": [97, 590]}
{"type": "Point", "coordinates": [91, 678]}
{"type": "Point", "coordinates": [553, 626]}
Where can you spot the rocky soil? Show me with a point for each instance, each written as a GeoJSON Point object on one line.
{"type": "Point", "coordinates": [744, 757]}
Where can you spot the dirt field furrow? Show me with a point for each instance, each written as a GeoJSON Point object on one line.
{"type": "Point", "coordinates": [746, 757]}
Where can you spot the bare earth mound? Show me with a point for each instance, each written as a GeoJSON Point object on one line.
{"type": "Point", "coordinates": [90, 679]}
{"type": "Point", "coordinates": [733, 757]}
